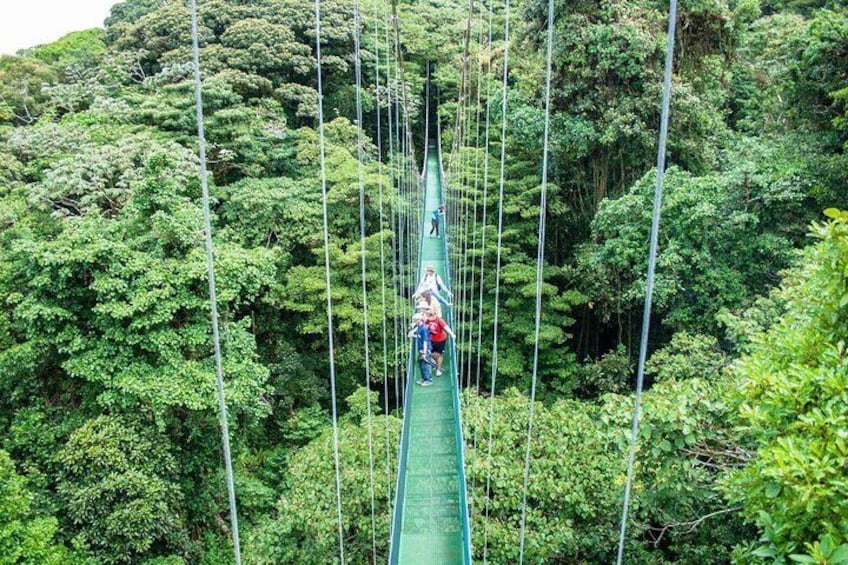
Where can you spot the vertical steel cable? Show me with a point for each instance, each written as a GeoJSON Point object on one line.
{"type": "Point", "coordinates": [471, 278]}
{"type": "Point", "coordinates": [461, 248]}
{"type": "Point", "coordinates": [470, 195]}
{"type": "Point", "coordinates": [458, 219]}
{"type": "Point", "coordinates": [504, 92]}
{"type": "Point", "coordinates": [652, 264]}
{"type": "Point", "coordinates": [397, 274]}
{"type": "Point", "coordinates": [402, 216]}
{"type": "Point", "coordinates": [360, 153]}
{"type": "Point", "coordinates": [382, 251]}
{"type": "Point", "coordinates": [484, 218]}
{"type": "Point", "coordinates": [456, 145]}
{"type": "Point", "coordinates": [462, 236]}
{"type": "Point", "coordinates": [323, 160]}
{"type": "Point", "coordinates": [540, 261]}
{"type": "Point", "coordinates": [213, 298]}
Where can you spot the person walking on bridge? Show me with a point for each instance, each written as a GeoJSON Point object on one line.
{"type": "Point", "coordinates": [432, 282]}
{"type": "Point", "coordinates": [428, 304]}
{"type": "Point", "coordinates": [438, 213]}
{"type": "Point", "coordinates": [421, 333]}
{"type": "Point", "coordinates": [439, 332]}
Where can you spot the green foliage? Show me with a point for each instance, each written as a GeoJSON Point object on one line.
{"type": "Point", "coordinates": [687, 356]}
{"type": "Point", "coordinates": [713, 254]}
{"type": "Point", "coordinates": [21, 80]}
{"type": "Point", "coordinates": [25, 537]}
{"type": "Point", "coordinates": [84, 292]}
{"type": "Point", "coordinates": [106, 373]}
{"type": "Point", "coordinates": [611, 373]}
{"type": "Point", "coordinates": [793, 402]}
{"type": "Point", "coordinates": [118, 483]}
{"type": "Point", "coordinates": [570, 514]}
{"type": "Point", "coordinates": [80, 48]}
{"type": "Point", "coordinates": [305, 529]}
{"type": "Point", "coordinates": [686, 443]}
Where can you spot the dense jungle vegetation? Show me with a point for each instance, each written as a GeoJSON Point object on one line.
{"type": "Point", "coordinates": [109, 441]}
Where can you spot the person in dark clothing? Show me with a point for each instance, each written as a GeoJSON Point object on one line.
{"type": "Point", "coordinates": [436, 219]}
{"type": "Point", "coordinates": [421, 334]}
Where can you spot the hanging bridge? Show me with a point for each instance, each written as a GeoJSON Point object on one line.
{"type": "Point", "coordinates": [430, 521]}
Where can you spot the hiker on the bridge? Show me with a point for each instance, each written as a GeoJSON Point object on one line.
{"type": "Point", "coordinates": [428, 304]}
{"type": "Point", "coordinates": [438, 213]}
{"type": "Point", "coordinates": [439, 332]}
{"type": "Point", "coordinates": [432, 282]}
{"type": "Point", "coordinates": [421, 334]}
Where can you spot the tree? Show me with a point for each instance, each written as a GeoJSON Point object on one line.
{"type": "Point", "coordinates": [21, 80]}
{"type": "Point", "coordinates": [118, 481]}
{"type": "Point", "coordinates": [792, 402]}
{"type": "Point", "coordinates": [571, 514]}
{"type": "Point", "coordinates": [305, 528]}
{"type": "Point", "coordinates": [25, 537]}
{"type": "Point", "coordinates": [721, 242]}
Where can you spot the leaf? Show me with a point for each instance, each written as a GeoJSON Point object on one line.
{"type": "Point", "coordinates": [765, 551]}
{"type": "Point", "coordinates": [773, 490]}
{"type": "Point", "coordinates": [839, 556]}
{"type": "Point", "coordinates": [802, 558]}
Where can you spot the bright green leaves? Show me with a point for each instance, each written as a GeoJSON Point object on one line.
{"type": "Point", "coordinates": [794, 402]}
{"type": "Point", "coordinates": [836, 214]}
{"type": "Point", "coordinates": [25, 537]}
{"type": "Point", "coordinates": [576, 473]}
{"type": "Point", "coordinates": [827, 551]}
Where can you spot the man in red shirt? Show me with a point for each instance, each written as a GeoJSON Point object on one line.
{"type": "Point", "coordinates": [439, 332]}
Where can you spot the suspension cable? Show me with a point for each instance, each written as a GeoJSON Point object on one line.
{"type": "Point", "coordinates": [213, 298]}
{"type": "Point", "coordinates": [472, 278]}
{"type": "Point", "coordinates": [405, 146]}
{"type": "Point", "coordinates": [467, 187]}
{"type": "Point", "coordinates": [460, 182]}
{"type": "Point", "coordinates": [458, 129]}
{"type": "Point", "coordinates": [540, 260]}
{"type": "Point", "coordinates": [396, 245]}
{"type": "Point", "coordinates": [484, 218]}
{"type": "Point", "coordinates": [652, 263]}
{"type": "Point", "coordinates": [361, 174]}
{"type": "Point", "coordinates": [382, 251]}
{"type": "Point", "coordinates": [504, 93]}
{"type": "Point", "coordinates": [469, 294]}
{"type": "Point", "coordinates": [323, 161]}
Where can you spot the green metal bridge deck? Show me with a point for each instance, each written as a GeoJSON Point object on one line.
{"type": "Point", "coordinates": [430, 523]}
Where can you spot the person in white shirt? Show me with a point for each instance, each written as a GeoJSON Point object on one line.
{"type": "Point", "coordinates": [432, 282]}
